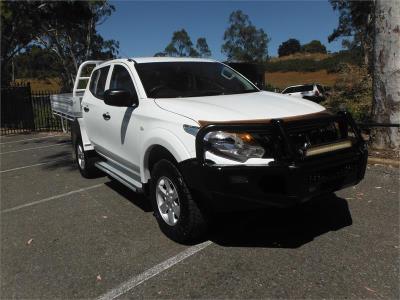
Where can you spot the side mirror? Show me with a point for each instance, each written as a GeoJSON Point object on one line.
{"type": "Point", "coordinates": [120, 97]}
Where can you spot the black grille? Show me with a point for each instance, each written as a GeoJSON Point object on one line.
{"type": "Point", "coordinates": [302, 137]}
{"type": "Point", "coordinates": [315, 135]}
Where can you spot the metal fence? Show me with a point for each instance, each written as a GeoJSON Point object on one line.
{"type": "Point", "coordinates": [43, 118]}
{"type": "Point", "coordinates": [25, 111]}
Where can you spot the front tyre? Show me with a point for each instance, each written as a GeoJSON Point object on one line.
{"type": "Point", "coordinates": [85, 161]}
{"type": "Point", "coordinates": [176, 212]}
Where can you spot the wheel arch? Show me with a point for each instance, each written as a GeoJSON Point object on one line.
{"type": "Point", "coordinates": [156, 148]}
{"type": "Point", "coordinates": [78, 129]}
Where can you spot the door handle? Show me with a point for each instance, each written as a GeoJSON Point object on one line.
{"type": "Point", "coordinates": [86, 109]}
{"type": "Point", "coordinates": [106, 116]}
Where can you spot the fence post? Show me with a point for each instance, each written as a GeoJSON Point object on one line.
{"type": "Point", "coordinates": [31, 111]}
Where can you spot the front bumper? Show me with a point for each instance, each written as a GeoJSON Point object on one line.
{"type": "Point", "coordinates": [236, 187]}
{"type": "Point", "coordinates": [282, 183]}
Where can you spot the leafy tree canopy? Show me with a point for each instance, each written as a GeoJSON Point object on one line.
{"type": "Point", "coordinates": [314, 46]}
{"type": "Point", "coordinates": [66, 28]}
{"type": "Point", "coordinates": [202, 48]}
{"type": "Point", "coordinates": [243, 41]}
{"type": "Point", "coordinates": [36, 62]}
{"type": "Point", "coordinates": [19, 25]}
{"type": "Point", "coordinates": [291, 46]}
{"type": "Point", "coordinates": [181, 45]}
{"type": "Point", "coordinates": [355, 25]}
{"type": "Point", "coordinates": [160, 54]}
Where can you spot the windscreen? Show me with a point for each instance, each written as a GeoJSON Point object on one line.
{"type": "Point", "coordinates": [191, 79]}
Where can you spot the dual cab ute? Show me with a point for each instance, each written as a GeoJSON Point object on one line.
{"type": "Point", "coordinates": [196, 136]}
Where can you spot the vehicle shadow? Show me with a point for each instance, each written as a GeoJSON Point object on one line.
{"type": "Point", "coordinates": [48, 141]}
{"type": "Point", "coordinates": [64, 160]}
{"type": "Point", "coordinates": [58, 160]}
{"type": "Point", "coordinates": [137, 199]}
{"type": "Point", "coordinates": [282, 228]}
{"type": "Point", "coordinates": [268, 227]}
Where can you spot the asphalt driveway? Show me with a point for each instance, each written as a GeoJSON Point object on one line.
{"type": "Point", "coordinates": [63, 236]}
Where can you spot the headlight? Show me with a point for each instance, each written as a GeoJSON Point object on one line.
{"type": "Point", "coordinates": [236, 146]}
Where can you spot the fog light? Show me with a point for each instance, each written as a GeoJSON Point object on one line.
{"type": "Point", "coordinates": [328, 148]}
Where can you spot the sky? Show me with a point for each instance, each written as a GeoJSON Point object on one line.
{"type": "Point", "coordinates": [144, 28]}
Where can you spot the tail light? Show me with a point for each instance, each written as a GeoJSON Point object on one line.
{"type": "Point", "coordinates": [316, 93]}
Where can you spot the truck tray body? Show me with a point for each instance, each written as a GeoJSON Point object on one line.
{"type": "Point", "coordinates": [66, 106]}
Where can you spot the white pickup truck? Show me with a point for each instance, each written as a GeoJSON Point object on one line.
{"type": "Point", "coordinates": [196, 136]}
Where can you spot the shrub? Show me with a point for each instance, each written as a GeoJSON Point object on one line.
{"type": "Point", "coordinates": [314, 46]}
{"type": "Point", "coordinates": [352, 91]}
{"type": "Point", "coordinates": [289, 47]}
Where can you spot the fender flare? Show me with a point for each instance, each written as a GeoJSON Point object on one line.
{"type": "Point", "coordinates": [78, 128]}
{"type": "Point", "coordinates": [166, 139]}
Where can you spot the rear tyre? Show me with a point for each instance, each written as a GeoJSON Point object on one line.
{"type": "Point", "coordinates": [85, 161]}
{"type": "Point", "coordinates": [177, 214]}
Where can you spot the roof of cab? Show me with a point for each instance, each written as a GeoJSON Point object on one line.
{"type": "Point", "coordinates": [141, 60]}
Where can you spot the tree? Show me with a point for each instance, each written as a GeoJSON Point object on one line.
{"type": "Point", "coordinates": [71, 39]}
{"type": "Point", "coordinates": [314, 46]}
{"type": "Point", "coordinates": [202, 47]}
{"type": "Point", "coordinates": [19, 25]}
{"type": "Point", "coordinates": [36, 62]}
{"type": "Point", "coordinates": [160, 54]}
{"type": "Point", "coordinates": [243, 41]}
{"type": "Point", "coordinates": [373, 27]}
{"type": "Point", "coordinates": [386, 79]}
{"type": "Point", "coordinates": [75, 39]}
{"type": "Point", "coordinates": [180, 45]}
{"type": "Point", "coordinates": [291, 46]}
{"type": "Point", "coordinates": [356, 25]}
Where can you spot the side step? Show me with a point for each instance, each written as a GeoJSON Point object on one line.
{"type": "Point", "coordinates": [111, 170]}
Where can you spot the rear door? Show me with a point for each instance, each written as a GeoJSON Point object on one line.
{"type": "Point", "coordinates": [93, 106]}
{"type": "Point", "coordinates": [121, 128]}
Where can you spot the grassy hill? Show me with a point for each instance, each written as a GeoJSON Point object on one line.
{"type": "Point", "coordinates": [301, 68]}
{"type": "Point", "coordinates": [312, 56]}
{"type": "Point", "coordinates": [282, 80]}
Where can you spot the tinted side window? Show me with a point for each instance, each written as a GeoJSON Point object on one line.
{"type": "Point", "coordinates": [120, 79]}
{"type": "Point", "coordinates": [288, 90]}
{"type": "Point", "coordinates": [303, 88]}
{"type": "Point", "coordinates": [98, 82]}
{"type": "Point", "coordinates": [93, 82]}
